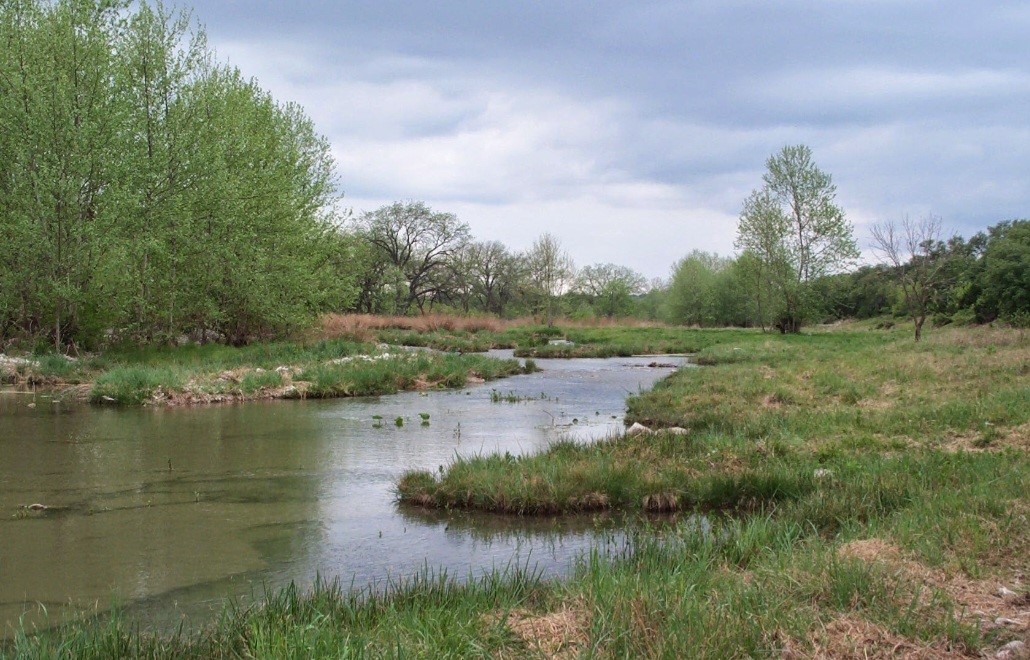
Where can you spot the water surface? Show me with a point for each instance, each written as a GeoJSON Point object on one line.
{"type": "Point", "coordinates": [168, 511]}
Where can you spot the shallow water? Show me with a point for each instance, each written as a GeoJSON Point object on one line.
{"type": "Point", "coordinates": [169, 511]}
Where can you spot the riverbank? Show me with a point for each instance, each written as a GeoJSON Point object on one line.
{"type": "Point", "coordinates": [891, 474]}
{"type": "Point", "coordinates": [565, 339]}
{"type": "Point", "coordinates": [219, 374]}
{"type": "Point", "coordinates": [866, 496]}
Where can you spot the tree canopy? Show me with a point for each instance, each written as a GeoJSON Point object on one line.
{"type": "Point", "coordinates": [147, 191]}
{"type": "Point", "coordinates": [796, 232]}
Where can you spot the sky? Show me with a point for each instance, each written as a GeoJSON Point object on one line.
{"type": "Point", "coordinates": [634, 130]}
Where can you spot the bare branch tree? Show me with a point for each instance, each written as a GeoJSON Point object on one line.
{"type": "Point", "coordinates": [915, 251]}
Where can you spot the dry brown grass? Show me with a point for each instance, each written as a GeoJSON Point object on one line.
{"type": "Point", "coordinates": [1017, 437]}
{"type": "Point", "coordinates": [849, 636]}
{"type": "Point", "coordinates": [979, 336]}
{"type": "Point", "coordinates": [363, 326]}
{"type": "Point", "coordinates": [975, 599]}
{"type": "Point", "coordinates": [559, 634]}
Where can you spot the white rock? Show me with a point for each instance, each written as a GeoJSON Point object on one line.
{"type": "Point", "coordinates": [1005, 592]}
{"type": "Point", "coordinates": [677, 430]}
{"type": "Point", "coordinates": [822, 473]}
{"type": "Point", "coordinates": [638, 429]}
{"type": "Point", "coordinates": [1002, 621]}
{"type": "Point", "coordinates": [1011, 650]}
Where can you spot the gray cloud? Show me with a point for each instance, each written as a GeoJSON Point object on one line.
{"type": "Point", "coordinates": [634, 125]}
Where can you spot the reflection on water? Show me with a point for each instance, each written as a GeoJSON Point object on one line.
{"type": "Point", "coordinates": [168, 511]}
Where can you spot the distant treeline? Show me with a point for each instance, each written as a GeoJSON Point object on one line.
{"type": "Point", "coordinates": [982, 279]}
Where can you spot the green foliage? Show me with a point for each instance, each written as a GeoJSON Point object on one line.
{"type": "Point", "coordinates": [709, 290]}
{"type": "Point", "coordinates": [611, 288]}
{"type": "Point", "coordinates": [148, 192]}
{"type": "Point", "coordinates": [133, 385]}
{"type": "Point", "coordinates": [796, 234]}
{"type": "Point", "coordinates": [1003, 274]}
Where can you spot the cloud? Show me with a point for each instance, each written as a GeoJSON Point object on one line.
{"type": "Point", "coordinates": [637, 129]}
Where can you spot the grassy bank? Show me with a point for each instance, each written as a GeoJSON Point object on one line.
{"type": "Point", "coordinates": [216, 373]}
{"type": "Point", "coordinates": [767, 414]}
{"type": "Point", "coordinates": [883, 487]}
{"type": "Point", "coordinates": [528, 338]}
{"type": "Point", "coordinates": [865, 497]}
{"type": "Point", "coordinates": [759, 587]}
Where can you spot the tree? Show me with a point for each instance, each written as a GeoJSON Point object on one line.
{"type": "Point", "coordinates": [551, 272]}
{"type": "Point", "coordinates": [495, 273]}
{"type": "Point", "coordinates": [611, 286]}
{"type": "Point", "coordinates": [796, 230]}
{"type": "Point", "coordinates": [60, 143]}
{"type": "Point", "coordinates": [692, 291]}
{"type": "Point", "coordinates": [419, 242]}
{"type": "Point", "coordinates": [917, 256]}
{"type": "Point", "coordinates": [1002, 286]}
{"type": "Point", "coordinates": [146, 192]}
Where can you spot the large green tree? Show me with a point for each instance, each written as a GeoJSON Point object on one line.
{"type": "Point", "coordinates": [611, 287]}
{"type": "Point", "coordinates": [796, 231]}
{"type": "Point", "coordinates": [147, 192]}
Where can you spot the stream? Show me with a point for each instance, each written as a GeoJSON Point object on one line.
{"type": "Point", "coordinates": [166, 512]}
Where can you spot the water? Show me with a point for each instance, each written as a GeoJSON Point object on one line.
{"type": "Point", "coordinates": [166, 512]}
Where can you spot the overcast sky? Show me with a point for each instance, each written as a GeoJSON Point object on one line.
{"type": "Point", "coordinates": [634, 130]}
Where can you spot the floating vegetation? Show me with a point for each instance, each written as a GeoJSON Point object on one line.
{"type": "Point", "coordinates": [512, 397]}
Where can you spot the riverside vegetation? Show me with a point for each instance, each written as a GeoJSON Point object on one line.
{"type": "Point", "coordinates": [216, 373]}
{"type": "Point", "coordinates": [865, 494]}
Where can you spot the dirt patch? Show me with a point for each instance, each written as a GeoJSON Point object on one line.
{"type": "Point", "coordinates": [994, 605]}
{"type": "Point", "coordinates": [560, 634]}
{"type": "Point", "coordinates": [854, 637]}
{"type": "Point", "coordinates": [989, 440]}
{"type": "Point", "coordinates": [887, 398]}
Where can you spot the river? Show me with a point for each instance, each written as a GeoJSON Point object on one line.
{"type": "Point", "coordinates": [166, 512]}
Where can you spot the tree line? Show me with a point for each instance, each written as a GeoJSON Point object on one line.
{"type": "Point", "coordinates": [414, 259]}
{"type": "Point", "coordinates": [796, 264]}
{"type": "Point", "coordinates": [149, 192]}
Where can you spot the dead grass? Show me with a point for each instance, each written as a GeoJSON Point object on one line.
{"type": "Point", "coordinates": [363, 326]}
{"type": "Point", "coordinates": [850, 636]}
{"type": "Point", "coordinates": [560, 634]}
{"type": "Point", "coordinates": [1017, 437]}
{"type": "Point", "coordinates": [979, 336]}
{"type": "Point", "coordinates": [977, 599]}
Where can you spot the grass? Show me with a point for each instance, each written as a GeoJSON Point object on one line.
{"type": "Point", "coordinates": [864, 495]}
{"type": "Point", "coordinates": [766, 415]}
{"type": "Point", "coordinates": [134, 385]}
{"type": "Point", "coordinates": [755, 587]}
{"type": "Point", "coordinates": [217, 373]}
{"type": "Point", "coordinates": [527, 337]}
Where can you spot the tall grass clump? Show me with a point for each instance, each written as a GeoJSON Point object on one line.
{"type": "Point", "coordinates": [133, 385]}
